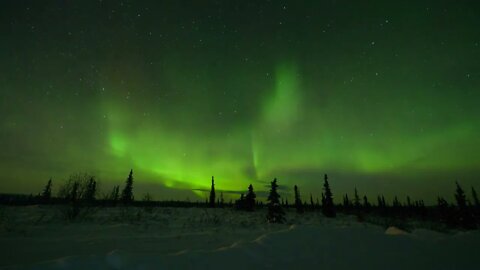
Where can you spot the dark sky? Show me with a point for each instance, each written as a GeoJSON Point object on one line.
{"type": "Point", "coordinates": [381, 95]}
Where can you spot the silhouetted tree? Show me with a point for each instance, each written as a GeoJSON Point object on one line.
{"type": "Point", "coordinates": [222, 202]}
{"type": "Point", "coordinates": [379, 201]}
{"type": "Point", "coordinates": [396, 204]}
{"type": "Point", "coordinates": [366, 204]}
{"type": "Point", "coordinates": [240, 203]}
{"type": "Point", "coordinates": [90, 190]}
{"type": "Point", "coordinates": [409, 202]}
{"type": "Point", "coordinates": [47, 191]}
{"type": "Point", "coordinates": [115, 194]}
{"type": "Point", "coordinates": [465, 218]}
{"type": "Point", "coordinates": [250, 199]}
{"type": "Point", "coordinates": [328, 207]}
{"type": "Point", "coordinates": [382, 206]}
{"type": "Point", "coordinates": [443, 210]}
{"type": "Point", "coordinates": [71, 192]}
{"type": "Point", "coordinates": [312, 205]}
{"type": "Point", "coordinates": [212, 194]}
{"type": "Point", "coordinates": [476, 202]}
{"type": "Point", "coordinates": [127, 193]}
{"type": "Point", "coordinates": [356, 200]}
{"type": "Point", "coordinates": [346, 202]}
{"type": "Point", "coordinates": [275, 211]}
{"type": "Point", "coordinates": [286, 202]}
{"type": "Point", "coordinates": [298, 200]}
{"type": "Point", "coordinates": [460, 197]}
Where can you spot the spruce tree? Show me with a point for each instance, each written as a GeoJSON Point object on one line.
{"type": "Point", "coordinates": [90, 190]}
{"type": "Point", "coordinates": [47, 191]}
{"type": "Point", "coordinates": [443, 210]}
{"type": "Point", "coordinates": [356, 200]}
{"type": "Point", "coordinates": [298, 200]}
{"type": "Point", "coordinates": [460, 197]}
{"type": "Point", "coordinates": [275, 211]}
{"type": "Point", "coordinates": [379, 202]}
{"type": "Point", "coordinates": [396, 203]}
{"type": "Point", "coordinates": [476, 203]}
{"type": "Point", "coordinates": [212, 194]}
{"type": "Point", "coordinates": [346, 202]}
{"type": "Point", "coordinates": [312, 205]}
{"type": "Point", "coordinates": [366, 204]}
{"type": "Point", "coordinates": [250, 199]}
{"type": "Point", "coordinates": [74, 211]}
{"type": "Point", "coordinates": [465, 217]}
{"type": "Point", "coordinates": [115, 194]}
{"type": "Point", "coordinates": [240, 203]}
{"type": "Point", "coordinates": [127, 193]}
{"type": "Point", "coordinates": [328, 207]}
{"type": "Point", "coordinates": [222, 202]}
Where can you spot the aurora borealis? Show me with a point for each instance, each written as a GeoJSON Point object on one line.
{"type": "Point", "coordinates": [381, 95]}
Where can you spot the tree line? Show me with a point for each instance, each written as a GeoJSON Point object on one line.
{"type": "Point", "coordinates": [81, 190]}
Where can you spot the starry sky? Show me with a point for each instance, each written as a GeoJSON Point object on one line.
{"type": "Point", "coordinates": [381, 95]}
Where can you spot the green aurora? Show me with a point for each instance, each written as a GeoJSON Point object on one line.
{"type": "Point", "coordinates": [383, 97]}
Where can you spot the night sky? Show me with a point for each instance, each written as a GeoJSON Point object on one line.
{"type": "Point", "coordinates": [381, 95]}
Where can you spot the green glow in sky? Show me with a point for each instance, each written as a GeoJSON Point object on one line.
{"type": "Point", "coordinates": [383, 96]}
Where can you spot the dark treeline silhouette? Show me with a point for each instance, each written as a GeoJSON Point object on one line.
{"type": "Point", "coordinates": [80, 192]}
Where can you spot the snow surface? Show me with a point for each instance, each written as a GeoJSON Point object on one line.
{"type": "Point", "coordinates": [191, 238]}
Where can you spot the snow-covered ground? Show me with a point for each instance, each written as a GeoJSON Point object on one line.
{"type": "Point", "coordinates": [37, 237]}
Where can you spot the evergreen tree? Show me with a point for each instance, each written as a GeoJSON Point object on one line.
{"type": "Point", "coordinates": [222, 202]}
{"type": "Point", "coordinates": [74, 211]}
{"type": "Point", "coordinates": [90, 190]}
{"type": "Point", "coordinates": [47, 191]}
{"type": "Point", "coordinates": [443, 210]}
{"type": "Point", "coordinates": [356, 200]}
{"type": "Point", "coordinates": [250, 199]}
{"type": "Point", "coordinates": [464, 216]}
{"type": "Point", "coordinates": [346, 201]}
{"type": "Point", "coordinates": [396, 203]}
{"type": "Point", "coordinates": [115, 194]}
{"type": "Point", "coordinates": [240, 203]}
{"type": "Point", "coordinates": [366, 204]}
{"type": "Point", "coordinates": [328, 207]}
{"type": "Point", "coordinates": [476, 203]}
{"type": "Point", "coordinates": [379, 202]}
{"type": "Point", "coordinates": [460, 197]}
{"type": "Point", "coordinates": [212, 194]}
{"type": "Point", "coordinates": [298, 200]}
{"type": "Point", "coordinates": [127, 193]}
{"type": "Point", "coordinates": [275, 211]}
{"type": "Point", "coordinates": [312, 205]}
{"type": "Point", "coordinates": [409, 202]}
